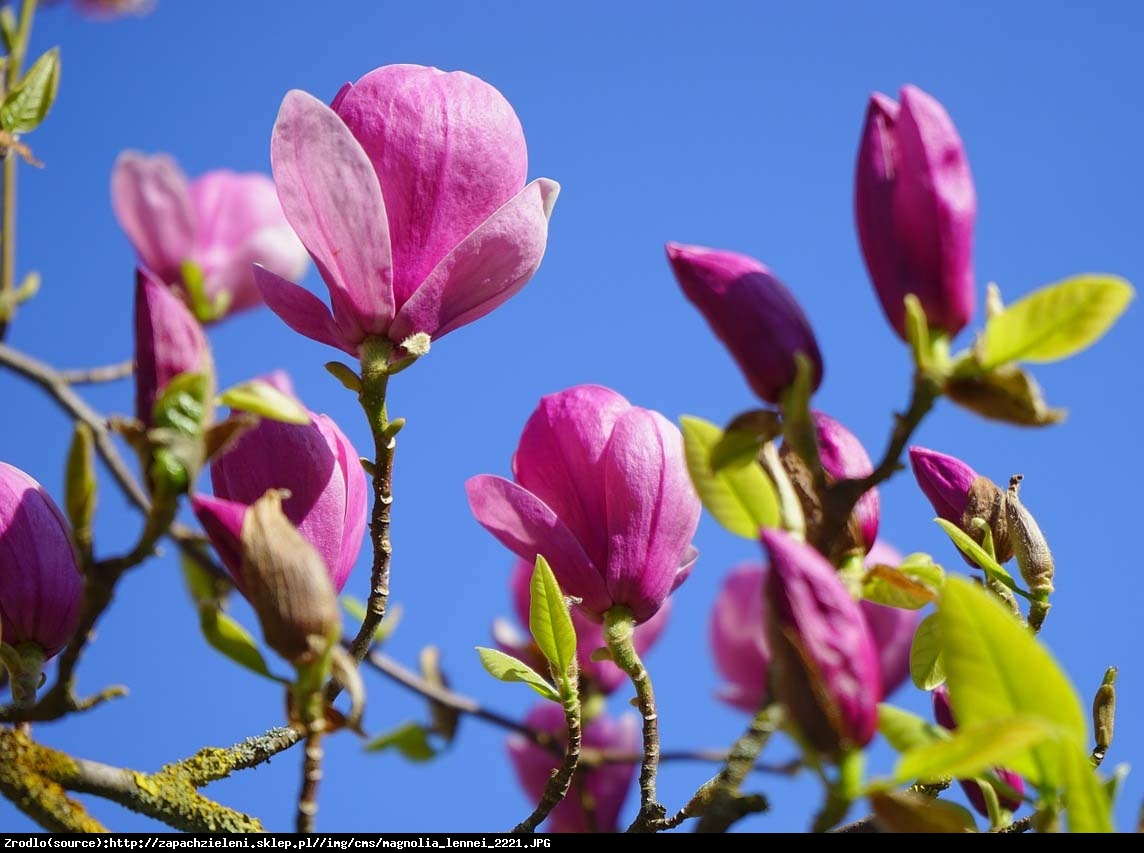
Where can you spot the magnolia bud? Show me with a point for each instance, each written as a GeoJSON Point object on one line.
{"type": "Point", "coordinates": [286, 582]}
{"type": "Point", "coordinates": [1104, 713]}
{"type": "Point", "coordinates": [1033, 556]}
{"type": "Point", "coordinates": [959, 494]}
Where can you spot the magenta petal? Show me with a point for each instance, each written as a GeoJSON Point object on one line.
{"type": "Point", "coordinates": [527, 526]}
{"type": "Point", "coordinates": [152, 202]}
{"type": "Point", "coordinates": [302, 311]}
{"type": "Point", "coordinates": [652, 510]}
{"type": "Point", "coordinates": [559, 457]}
{"type": "Point", "coordinates": [485, 269]}
{"type": "Point", "coordinates": [738, 639]}
{"type": "Point", "coordinates": [222, 521]}
{"type": "Point", "coordinates": [448, 151]}
{"type": "Point", "coordinates": [332, 199]}
{"type": "Point", "coordinates": [168, 341]}
{"type": "Point", "coordinates": [944, 480]}
{"type": "Point", "coordinates": [355, 500]}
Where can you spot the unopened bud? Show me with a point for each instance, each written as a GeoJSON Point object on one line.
{"type": "Point", "coordinates": [1104, 713]}
{"type": "Point", "coordinates": [286, 582]}
{"type": "Point", "coordinates": [80, 486]}
{"type": "Point", "coordinates": [1029, 545]}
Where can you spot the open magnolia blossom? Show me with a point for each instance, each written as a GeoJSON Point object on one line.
{"type": "Point", "coordinates": [409, 193]}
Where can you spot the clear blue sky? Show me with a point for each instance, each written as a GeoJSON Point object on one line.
{"type": "Point", "coordinates": [731, 124]}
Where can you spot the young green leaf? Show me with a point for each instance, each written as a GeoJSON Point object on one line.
{"type": "Point", "coordinates": [232, 640]}
{"type": "Point", "coordinates": [905, 731]}
{"type": "Point", "coordinates": [1056, 321]}
{"type": "Point", "coordinates": [384, 631]}
{"type": "Point", "coordinates": [972, 750]}
{"type": "Point", "coordinates": [263, 399]}
{"type": "Point", "coordinates": [1088, 807]}
{"type": "Point", "coordinates": [893, 588]}
{"type": "Point", "coordinates": [410, 739]}
{"type": "Point", "coordinates": [507, 668]}
{"type": "Point", "coordinates": [978, 555]}
{"type": "Point", "coordinates": [922, 568]}
{"type": "Point", "coordinates": [549, 619]}
{"type": "Point", "coordinates": [29, 101]}
{"type": "Point", "coordinates": [996, 670]}
{"type": "Point", "coordinates": [926, 670]}
{"type": "Point", "coordinates": [741, 499]}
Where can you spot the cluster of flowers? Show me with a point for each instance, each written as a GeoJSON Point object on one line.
{"type": "Point", "coordinates": [408, 193]}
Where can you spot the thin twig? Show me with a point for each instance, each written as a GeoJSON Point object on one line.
{"type": "Point", "coordinates": [561, 778]}
{"type": "Point", "coordinates": [96, 375]}
{"type": "Point", "coordinates": [722, 804]}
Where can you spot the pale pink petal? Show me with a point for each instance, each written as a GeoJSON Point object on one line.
{"type": "Point", "coordinates": [302, 311]}
{"type": "Point", "coordinates": [151, 200]}
{"type": "Point", "coordinates": [485, 269]}
{"type": "Point", "coordinates": [527, 526]}
{"type": "Point", "coordinates": [332, 199]}
{"type": "Point", "coordinates": [356, 499]}
{"type": "Point", "coordinates": [448, 150]}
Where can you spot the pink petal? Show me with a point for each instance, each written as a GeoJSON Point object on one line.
{"type": "Point", "coordinates": [332, 199]}
{"type": "Point", "coordinates": [356, 499]}
{"type": "Point", "coordinates": [527, 526]}
{"type": "Point", "coordinates": [558, 459]}
{"type": "Point", "coordinates": [652, 510]}
{"type": "Point", "coordinates": [222, 521]}
{"type": "Point", "coordinates": [448, 151]}
{"type": "Point", "coordinates": [151, 200]}
{"type": "Point", "coordinates": [302, 311]}
{"type": "Point", "coordinates": [485, 269]}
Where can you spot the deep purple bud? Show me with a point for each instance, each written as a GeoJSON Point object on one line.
{"type": "Point", "coordinates": [959, 494]}
{"type": "Point", "coordinates": [316, 463]}
{"type": "Point", "coordinates": [826, 665]}
{"type": "Point", "coordinates": [168, 341]}
{"type": "Point", "coordinates": [604, 675]}
{"type": "Point", "coordinates": [604, 787]}
{"type": "Point", "coordinates": [40, 584]}
{"type": "Point", "coordinates": [943, 714]}
{"type": "Point", "coordinates": [915, 205]}
{"type": "Point", "coordinates": [751, 312]}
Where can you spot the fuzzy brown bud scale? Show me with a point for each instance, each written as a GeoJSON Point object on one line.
{"type": "Point", "coordinates": [1029, 546]}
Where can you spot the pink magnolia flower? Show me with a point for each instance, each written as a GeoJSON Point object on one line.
{"type": "Point", "coordinates": [605, 675]}
{"type": "Point", "coordinates": [606, 786]}
{"type": "Point", "coordinates": [409, 194]}
{"type": "Point", "coordinates": [915, 206]}
{"type": "Point", "coordinates": [738, 635]}
{"type": "Point", "coordinates": [602, 492]}
{"type": "Point", "coordinates": [751, 312]}
{"type": "Point", "coordinates": [826, 664]}
{"type": "Point", "coordinates": [843, 456]}
{"type": "Point", "coordinates": [223, 222]}
{"type": "Point", "coordinates": [168, 341]}
{"type": "Point", "coordinates": [41, 587]}
{"type": "Point", "coordinates": [320, 468]}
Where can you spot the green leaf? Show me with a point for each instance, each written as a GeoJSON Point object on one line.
{"type": "Point", "coordinates": [356, 608]}
{"type": "Point", "coordinates": [182, 404]}
{"type": "Point", "coordinates": [1056, 321]}
{"type": "Point", "coordinates": [410, 739]}
{"type": "Point", "coordinates": [905, 731]}
{"type": "Point", "coordinates": [29, 101]}
{"type": "Point", "coordinates": [740, 499]}
{"type": "Point", "coordinates": [926, 670]}
{"type": "Point", "coordinates": [973, 750]}
{"type": "Point", "coordinates": [263, 399]}
{"type": "Point", "coordinates": [549, 619]}
{"type": "Point", "coordinates": [922, 568]}
{"type": "Point", "coordinates": [906, 812]}
{"type": "Point", "coordinates": [996, 670]}
{"type": "Point", "coordinates": [507, 668]}
{"type": "Point", "coordinates": [978, 555]}
{"type": "Point", "coordinates": [1088, 807]}
{"type": "Point", "coordinates": [894, 588]}
{"type": "Point", "coordinates": [742, 438]}
{"type": "Point", "coordinates": [227, 636]}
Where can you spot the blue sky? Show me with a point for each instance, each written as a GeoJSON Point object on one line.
{"type": "Point", "coordinates": [730, 124]}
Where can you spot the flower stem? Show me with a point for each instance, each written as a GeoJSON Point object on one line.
{"type": "Point", "coordinates": [561, 779]}
{"type": "Point", "coordinates": [619, 626]}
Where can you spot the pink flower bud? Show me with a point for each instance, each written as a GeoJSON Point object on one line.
{"type": "Point", "coordinates": [943, 714]}
{"type": "Point", "coordinates": [915, 206]}
{"type": "Point", "coordinates": [605, 675]}
{"type": "Point", "coordinates": [604, 787]}
{"type": "Point", "coordinates": [826, 665]}
{"type": "Point", "coordinates": [751, 312]}
{"type": "Point", "coordinates": [318, 466]}
{"type": "Point", "coordinates": [409, 194]}
{"type": "Point", "coordinates": [223, 222]}
{"type": "Point", "coordinates": [168, 341]}
{"type": "Point", "coordinates": [40, 584]}
{"type": "Point", "coordinates": [602, 492]}
{"type": "Point", "coordinates": [959, 494]}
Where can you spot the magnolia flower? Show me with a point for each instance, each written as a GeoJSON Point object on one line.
{"type": "Point", "coordinates": [41, 587]}
{"type": "Point", "coordinates": [223, 223]}
{"type": "Point", "coordinates": [409, 194]}
{"type": "Point", "coordinates": [602, 492]}
{"type": "Point", "coordinates": [316, 463]}
{"type": "Point", "coordinates": [594, 800]}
